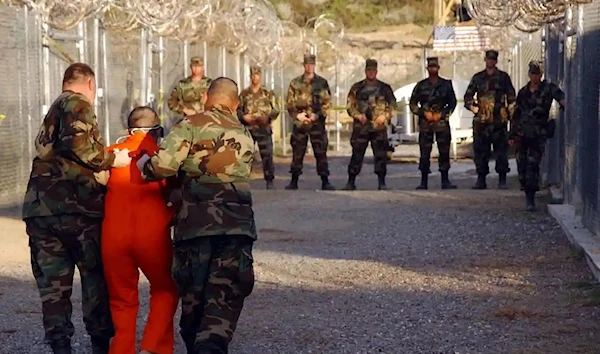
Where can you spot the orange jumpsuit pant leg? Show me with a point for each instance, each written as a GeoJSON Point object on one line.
{"type": "Point", "coordinates": [154, 255]}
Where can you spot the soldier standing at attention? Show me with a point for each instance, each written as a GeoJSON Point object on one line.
{"type": "Point", "coordinates": [371, 103]}
{"type": "Point", "coordinates": [492, 108]}
{"type": "Point", "coordinates": [212, 153]}
{"type": "Point", "coordinates": [186, 97]}
{"type": "Point", "coordinates": [308, 101]}
{"type": "Point", "coordinates": [63, 210]}
{"type": "Point", "coordinates": [433, 100]}
{"type": "Point", "coordinates": [258, 111]}
{"type": "Point", "coordinates": [530, 128]}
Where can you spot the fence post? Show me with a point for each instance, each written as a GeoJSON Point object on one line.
{"type": "Point", "coordinates": [105, 73]}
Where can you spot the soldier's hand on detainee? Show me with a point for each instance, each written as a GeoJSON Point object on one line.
{"type": "Point", "coordinates": [122, 158]}
{"type": "Point", "coordinates": [189, 111]}
{"type": "Point", "coordinates": [249, 119]}
{"type": "Point", "coordinates": [175, 198]}
{"type": "Point", "coordinates": [102, 177]}
{"type": "Point", "coordinates": [141, 162]}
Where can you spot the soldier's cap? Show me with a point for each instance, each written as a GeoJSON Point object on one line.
{"type": "Point", "coordinates": [197, 61]}
{"type": "Point", "coordinates": [535, 67]}
{"type": "Point", "coordinates": [255, 70]}
{"type": "Point", "coordinates": [433, 62]}
{"type": "Point", "coordinates": [310, 59]}
{"type": "Point", "coordinates": [491, 54]}
{"type": "Point", "coordinates": [370, 64]}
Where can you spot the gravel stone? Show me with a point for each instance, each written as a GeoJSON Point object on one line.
{"type": "Point", "coordinates": [396, 272]}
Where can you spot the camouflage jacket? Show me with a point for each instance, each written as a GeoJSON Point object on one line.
{"type": "Point", "coordinates": [438, 97]}
{"type": "Point", "coordinates": [188, 94]}
{"type": "Point", "coordinates": [258, 104]}
{"type": "Point", "coordinates": [533, 109]}
{"type": "Point", "coordinates": [308, 97]}
{"type": "Point", "coordinates": [371, 100]}
{"type": "Point", "coordinates": [495, 96]}
{"type": "Point", "coordinates": [212, 154]}
{"type": "Point", "coordinates": [69, 150]}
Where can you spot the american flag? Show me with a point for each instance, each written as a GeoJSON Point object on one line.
{"type": "Point", "coordinates": [450, 38]}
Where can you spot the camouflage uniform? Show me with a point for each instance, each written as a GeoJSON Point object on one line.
{"type": "Point", "coordinates": [495, 99]}
{"type": "Point", "coordinates": [436, 96]}
{"type": "Point", "coordinates": [260, 104]}
{"type": "Point", "coordinates": [371, 99]}
{"type": "Point", "coordinates": [212, 153]}
{"type": "Point", "coordinates": [63, 209]}
{"type": "Point", "coordinates": [309, 97]}
{"type": "Point", "coordinates": [530, 128]}
{"type": "Point", "coordinates": [188, 93]}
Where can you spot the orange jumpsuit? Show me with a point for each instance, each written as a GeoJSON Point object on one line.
{"type": "Point", "coordinates": [136, 234]}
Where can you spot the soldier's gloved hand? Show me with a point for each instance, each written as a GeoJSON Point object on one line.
{"type": "Point", "coordinates": [141, 162]}
{"type": "Point", "coordinates": [301, 117]}
{"type": "Point", "coordinates": [175, 198]}
{"type": "Point", "coordinates": [122, 158]}
{"type": "Point", "coordinates": [102, 177]}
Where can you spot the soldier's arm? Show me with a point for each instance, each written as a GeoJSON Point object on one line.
{"type": "Point", "coordinates": [325, 99]}
{"type": "Point", "coordinates": [79, 134]}
{"type": "Point", "coordinates": [290, 101]}
{"type": "Point", "coordinates": [390, 98]}
{"type": "Point", "coordinates": [469, 97]}
{"type": "Point", "coordinates": [450, 99]}
{"type": "Point", "coordinates": [173, 151]}
{"type": "Point", "coordinates": [274, 110]}
{"type": "Point", "coordinates": [241, 108]}
{"type": "Point", "coordinates": [414, 100]}
{"type": "Point", "coordinates": [516, 117]}
{"type": "Point", "coordinates": [351, 103]}
{"type": "Point", "coordinates": [557, 94]}
{"type": "Point", "coordinates": [174, 104]}
{"type": "Point", "coordinates": [511, 95]}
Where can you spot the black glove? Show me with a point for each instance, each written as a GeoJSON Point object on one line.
{"type": "Point", "coordinates": [550, 128]}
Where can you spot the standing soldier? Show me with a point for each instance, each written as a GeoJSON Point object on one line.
{"type": "Point", "coordinates": [433, 100]}
{"type": "Point", "coordinates": [63, 210]}
{"type": "Point", "coordinates": [308, 101]}
{"type": "Point", "coordinates": [257, 109]}
{"type": "Point", "coordinates": [212, 153]}
{"type": "Point", "coordinates": [492, 108]}
{"type": "Point", "coordinates": [186, 97]}
{"type": "Point", "coordinates": [530, 128]}
{"type": "Point", "coordinates": [371, 103]}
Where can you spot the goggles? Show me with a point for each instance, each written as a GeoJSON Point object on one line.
{"type": "Point", "coordinates": [158, 128]}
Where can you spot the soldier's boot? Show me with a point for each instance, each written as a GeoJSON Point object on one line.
{"type": "Point", "coordinates": [270, 184]}
{"type": "Point", "coordinates": [480, 184]}
{"type": "Point", "coordinates": [530, 201]}
{"type": "Point", "coordinates": [61, 347]}
{"type": "Point", "coordinates": [100, 345]}
{"type": "Point", "coordinates": [381, 182]}
{"type": "Point", "coordinates": [293, 183]}
{"type": "Point", "coordinates": [351, 184]}
{"type": "Point", "coordinates": [502, 181]}
{"type": "Point", "coordinates": [446, 184]}
{"type": "Point", "coordinates": [424, 181]}
{"type": "Point", "coordinates": [522, 184]}
{"type": "Point", "coordinates": [325, 185]}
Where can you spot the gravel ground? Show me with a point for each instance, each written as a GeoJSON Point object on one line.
{"type": "Point", "coordinates": [397, 272]}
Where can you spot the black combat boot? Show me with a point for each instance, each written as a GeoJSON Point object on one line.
{"type": "Point", "coordinates": [351, 184]}
{"type": "Point", "coordinates": [424, 181]}
{"type": "Point", "coordinates": [293, 183]}
{"type": "Point", "coordinates": [325, 185]}
{"type": "Point", "coordinates": [530, 200]}
{"type": "Point", "coordinates": [61, 347]}
{"type": "Point", "coordinates": [270, 184]}
{"type": "Point", "coordinates": [522, 182]}
{"type": "Point", "coordinates": [100, 345]}
{"type": "Point", "coordinates": [381, 181]}
{"type": "Point", "coordinates": [502, 181]}
{"type": "Point", "coordinates": [446, 184]}
{"type": "Point", "coordinates": [480, 184]}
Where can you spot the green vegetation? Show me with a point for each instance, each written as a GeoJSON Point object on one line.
{"type": "Point", "coordinates": [359, 14]}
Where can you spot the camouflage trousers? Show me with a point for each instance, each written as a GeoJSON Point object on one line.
{"type": "Point", "coordinates": [529, 153]}
{"type": "Point", "coordinates": [441, 132]}
{"type": "Point", "coordinates": [265, 148]}
{"type": "Point", "coordinates": [486, 135]}
{"type": "Point", "coordinates": [214, 274]}
{"type": "Point", "coordinates": [57, 245]}
{"type": "Point", "coordinates": [319, 142]}
{"type": "Point", "coordinates": [362, 135]}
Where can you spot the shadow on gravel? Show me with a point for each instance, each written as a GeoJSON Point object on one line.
{"type": "Point", "coordinates": [12, 211]}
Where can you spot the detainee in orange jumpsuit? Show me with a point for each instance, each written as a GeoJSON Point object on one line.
{"type": "Point", "coordinates": [136, 235]}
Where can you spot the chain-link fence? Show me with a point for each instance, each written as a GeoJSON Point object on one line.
{"type": "Point", "coordinates": [572, 161]}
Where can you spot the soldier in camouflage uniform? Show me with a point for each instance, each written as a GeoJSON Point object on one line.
{"type": "Point", "coordinates": [530, 128]}
{"type": "Point", "coordinates": [212, 154]}
{"type": "Point", "coordinates": [186, 97]}
{"type": "Point", "coordinates": [257, 109]}
{"type": "Point", "coordinates": [493, 108]}
{"type": "Point", "coordinates": [63, 209]}
{"type": "Point", "coordinates": [433, 100]}
{"type": "Point", "coordinates": [371, 103]}
{"type": "Point", "coordinates": [308, 101]}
